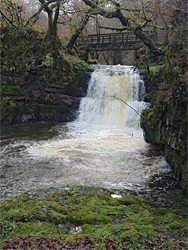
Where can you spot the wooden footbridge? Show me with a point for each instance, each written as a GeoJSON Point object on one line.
{"type": "Point", "coordinates": [110, 41]}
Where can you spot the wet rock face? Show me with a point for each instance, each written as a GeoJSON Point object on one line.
{"type": "Point", "coordinates": [166, 125]}
{"type": "Point", "coordinates": [30, 99]}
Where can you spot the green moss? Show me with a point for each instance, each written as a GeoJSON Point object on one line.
{"type": "Point", "coordinates": [9, 89]}
{"type": "Point", "coordinates": [155, 70]}
{"type": "Point", "coordinates": [130, 200]}
{"type": "Point", "coordinates": [179, 163]}
{"type": "Point", "coordinates": [129, 220]}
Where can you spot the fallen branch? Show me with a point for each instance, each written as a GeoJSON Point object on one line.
{"type": "Point", "coordinates": [115, 97]}
{"type": "Point", "coordinates": [116, 214]}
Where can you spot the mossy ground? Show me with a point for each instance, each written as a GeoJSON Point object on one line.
{"type": "Point", "coordinates": [85, 214]}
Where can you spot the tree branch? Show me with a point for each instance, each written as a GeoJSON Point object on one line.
{"type": "Point", "coordinates": [115, 97]}
{"type": "Point", "coordinates": [78, 31]}
{"type": "Point", "coordinates": [7, 19]}
{"type": "Point", "coordinates": [125, 21]}
{"type": "Point", "coordinates": [108, 28]}
{"type": "Point", "coordinates": [174, 7]}
{"type": "Point", "coordinates": [36, 14]}
{"type": "Point", "coordinates": [56, 15]}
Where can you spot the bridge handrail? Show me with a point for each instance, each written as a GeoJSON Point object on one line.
{"type": "Point", "coordinates": [122, 37]}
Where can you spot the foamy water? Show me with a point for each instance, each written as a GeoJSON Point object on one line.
{"type": "Point", "coordinates": [104, 147]}
{"type": "Point", "coordinates": [102, 156]}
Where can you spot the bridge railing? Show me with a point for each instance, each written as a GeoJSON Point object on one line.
{"type": "Point", "coordinates": [109, 41]}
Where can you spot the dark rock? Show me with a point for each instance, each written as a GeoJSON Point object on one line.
{"type": "Point", "coordinates": [43, 100]}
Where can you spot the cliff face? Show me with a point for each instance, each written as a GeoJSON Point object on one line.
{"type": "Point", "coordinates": [165, 122]}
{"type": "Point", "coordinates": [26, 97]}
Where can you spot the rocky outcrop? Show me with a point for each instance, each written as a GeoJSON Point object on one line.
{"type": "Point", "coordinates": [27, 98]}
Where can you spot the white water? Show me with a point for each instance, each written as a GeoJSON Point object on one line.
{"type": "Point", "coordinates": [104, 147]}
{"type": "Point", "coordinates": [110, 88]}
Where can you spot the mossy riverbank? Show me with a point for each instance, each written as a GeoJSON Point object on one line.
{"type": "Point", "coordinates": [89, 218]}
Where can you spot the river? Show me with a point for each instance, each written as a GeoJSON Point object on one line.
{"type": "Point", "coordinates": [104, 147]}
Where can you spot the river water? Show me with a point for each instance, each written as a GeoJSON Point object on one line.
{"type": "Point", "coordinates": [104, 147]}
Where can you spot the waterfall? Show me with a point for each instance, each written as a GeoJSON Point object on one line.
{"type": "Point", "coordinates": [114, 97]}
{"type": "Point", "coordinates": [104, 147]}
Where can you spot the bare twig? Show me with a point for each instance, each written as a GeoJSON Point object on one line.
{"type": "Point", "coordinates": [183, 9]}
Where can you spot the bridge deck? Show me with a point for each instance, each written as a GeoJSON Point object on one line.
{"type": "Point", "coordinates": [110, 41]}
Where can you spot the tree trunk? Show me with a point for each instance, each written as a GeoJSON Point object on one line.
{"type": "Point", "coordinates": [77, 33]}
{"type": "Point", "coordinates": [51, 39]}
{"type": "Point", "coordinates": [50, 24]}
